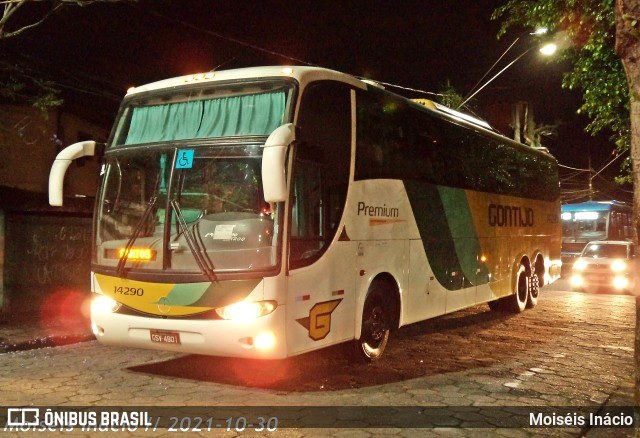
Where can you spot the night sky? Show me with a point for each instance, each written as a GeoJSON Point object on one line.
{"type": "Point", "coordinates": [102, 49]}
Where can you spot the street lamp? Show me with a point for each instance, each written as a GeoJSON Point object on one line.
{"type": "Point", "coordinates": [547, 50]}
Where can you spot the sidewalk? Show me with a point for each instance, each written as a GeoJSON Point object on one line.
{"type": "Point", "coordinates": [50, 327]}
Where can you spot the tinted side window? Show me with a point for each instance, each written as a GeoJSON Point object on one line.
{"type": "Point", "coordinates": [399, 141]}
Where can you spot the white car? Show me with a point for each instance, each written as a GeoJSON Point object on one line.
{"type": "Point", "coordinates": [606, 264]}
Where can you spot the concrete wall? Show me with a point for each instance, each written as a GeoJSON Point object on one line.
{"type": "Point", "coordinates": [45, 257]}
{"type": "Point", "coordinates": [44, 253]}
{"type": "Point", "coordinates": [2, 256]}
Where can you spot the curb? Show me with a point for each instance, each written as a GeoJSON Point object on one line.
{"type": "Point", "coordinates": [44, 342]}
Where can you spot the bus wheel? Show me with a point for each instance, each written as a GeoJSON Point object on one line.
{"type": "Point", "coordinates": [519, 299]}
{"type": "Point", "coordinates": [534, 291]}
{"type": "Point", "coordinates": [376, 326]}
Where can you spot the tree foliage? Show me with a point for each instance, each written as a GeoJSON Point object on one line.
{"type": "Point", "coordinates": [12, 7]}
{"type": "Point", "coordinates": [585, 32]}
{"type": "Point", "coordinates": [450, 97]}
{"type": "Point", "coordinates": [42, 94]}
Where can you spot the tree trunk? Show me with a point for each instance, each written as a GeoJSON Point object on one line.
{"type": "Point", "coordinates": [628, 48]}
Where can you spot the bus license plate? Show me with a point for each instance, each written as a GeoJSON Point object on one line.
{"type": "Point", "coordinates": [163, 337]}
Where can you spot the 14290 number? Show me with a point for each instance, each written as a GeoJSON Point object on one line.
{"type": "Point", "coordinates": [124, 290]}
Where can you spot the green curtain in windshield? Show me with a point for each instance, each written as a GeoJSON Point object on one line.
{"type": "Point", "coordinates": [253, 114]}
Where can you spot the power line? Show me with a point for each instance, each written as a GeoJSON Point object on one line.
{"type": "Point", "coordinates": [224, 37]}
{"type": "Point", "coordinates": [573, 168]}
{"type": "Point", "coordinates": [268, 51]}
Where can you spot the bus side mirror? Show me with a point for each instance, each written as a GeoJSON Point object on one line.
{"type": "Point", "coordinates": [61, 164]}
{"type": "Point", "coordinates": [274, 181]}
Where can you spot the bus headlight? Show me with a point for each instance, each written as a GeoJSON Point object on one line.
{"type": "Point", "coordinates": [618, 266]}
{"type": "Point", "coordinates": [104, 304]}
{"type": "Point", "coordinates": [246, 310]}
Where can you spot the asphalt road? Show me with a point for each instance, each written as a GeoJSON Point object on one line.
{"type": "Point", "coordinates": [573, 351]}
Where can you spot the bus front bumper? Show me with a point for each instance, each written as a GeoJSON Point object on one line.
{"type": "Point", "coordinates": [259, 338]}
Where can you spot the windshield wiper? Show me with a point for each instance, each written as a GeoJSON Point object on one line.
{"type": "Point", "coordinates": [136, 232]}
{"type": "Point", "coordinates": [201, 257]}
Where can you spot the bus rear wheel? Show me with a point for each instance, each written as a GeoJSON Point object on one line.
{"type": "Point", "coordinates": [518, 301]}
{"type": "Point", "coordinates": [534, 291]}
{"type": "Point", "coordinates": [376, 327]}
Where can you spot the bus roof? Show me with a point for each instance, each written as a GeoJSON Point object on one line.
{"type": "Point", "coordinates": [302, 74]}
{"type": "Point", "coordinates": [457, 114]}
{"type": "Point", "coordinates": [594, 206]}
{"type": "Point", "coordinates": [307, 74]}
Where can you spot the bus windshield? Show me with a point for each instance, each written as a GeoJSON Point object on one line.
{"type": "Point", "coordinates": [207, 215]}
{"type": "Point", "coordinates": [585, 226]}
{"type": "Point", "coordinates": [181, 181]}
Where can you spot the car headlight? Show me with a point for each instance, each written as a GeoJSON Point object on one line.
{"type": "Point", "coordinates": [246, 310]}
{"type": "Point", "coordinates": [618, 266]}
{"type": "Point", "coordinates": [576, 281]}
{"type": "Point", "coordinates": [580, 265]}
{"type": "Point", "coordinates": [620, 282]}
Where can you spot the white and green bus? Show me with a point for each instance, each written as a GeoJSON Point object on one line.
{"type": "Point", "coordinates": [267, 212]}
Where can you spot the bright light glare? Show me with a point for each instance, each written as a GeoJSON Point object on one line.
{"type": "Point", "coordinates": [548, 49]}
{"type": "Point", "coordinates": [246, 310]}
{"type": "Point", "coordinates": [265, 340]}
{"type": "Point", "coordinates": [566, 216]}
{"type": "Point", "coordinates": [579, 265]}
{"type": "Point", "coordinates": [540, 31]}
{"type": "Point", "coordinates": [576, 281]}
{"type": "Point", "coordinates": [618, 266]}
{"type": "Point", "coordinates": [620, 282]}
{"type": "Point", "coordinates": [586, 215]}
{"type": "Point", "coordinates": [104, 304]}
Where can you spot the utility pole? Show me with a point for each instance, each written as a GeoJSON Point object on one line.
{"type": "Point", "coordinates": [590, 175]}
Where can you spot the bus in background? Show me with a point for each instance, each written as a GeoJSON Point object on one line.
{"type": "Point", "coordinates": [593, 220]}
{"type": "Point", "coordinates": [268, 212]}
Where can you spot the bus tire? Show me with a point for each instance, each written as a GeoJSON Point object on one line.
{"type": "Point", "coordinates": [518, 301]}
{"type": "Point", "coordinates": [534, 291]}
{"type": "Point", "coordinates": [376, 326]}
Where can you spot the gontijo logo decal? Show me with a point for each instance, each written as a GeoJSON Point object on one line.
{"type": "Point", "coordinates": [318, 323]}
{"type": "Point", "coordinates": [510, 216]}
